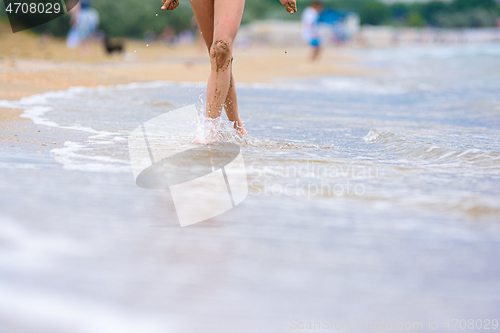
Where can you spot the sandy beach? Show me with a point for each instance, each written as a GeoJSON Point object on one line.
{"type": "Point", "coordinates": [30, 65]}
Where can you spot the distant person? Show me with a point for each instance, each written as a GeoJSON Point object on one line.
{"type": "Point", "coordinates": [167, 36]}
{"type": "Point", "coordinates": [310, 28]}
{"type": "Point", "coordinates": [219, 21]}
{"type": "Point", "coordinates": [150, 36]}
{"type": "Point", "coordinates": [84, 22]}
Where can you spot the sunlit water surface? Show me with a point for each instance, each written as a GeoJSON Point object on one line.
{"type": "Point", "coordinates": [374, 196]}
{"type": "Point", "coordinates": [421, 133]}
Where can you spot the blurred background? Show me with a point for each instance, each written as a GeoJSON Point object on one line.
{"type": "Point", "coordinates": [358, 22]}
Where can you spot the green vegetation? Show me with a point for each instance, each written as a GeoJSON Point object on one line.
{"type": "Point", "coordinates": [132, 18]}
{"type": "Point", "coordinates": [127, 18]}
{"type": "Point", "coordinates": [415, 19]}
{"type": "Point", "coordinates": [457, 14]}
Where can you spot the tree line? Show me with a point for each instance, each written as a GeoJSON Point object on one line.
{"type": "Point", "coordinates": [133, 18]}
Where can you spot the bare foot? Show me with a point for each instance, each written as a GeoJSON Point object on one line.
{"type": "Point", "coordinates": [240, 127]}
{"type": "Point", "coordinates": [208, 136]}
{"type": "Point", "coordinates": [240, 130]}
{"type": "Point", "coordinates": [198, 140]}
{"type": "Point", "coordinates": [205, 141]}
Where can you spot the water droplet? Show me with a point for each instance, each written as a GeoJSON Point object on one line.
{"type": "Point", "coordinates": [147, 45]}
{"type": "Point", "coordinates": [156, 14]}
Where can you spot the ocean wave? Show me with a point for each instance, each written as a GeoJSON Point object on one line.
{"type": "Point", "coordinates": [433, 153]}
{"type": "Point", "coordinates": [269, 144]}
{"type": "Point", "coordinates": [442, 52]}
{"type": "Point", "coordinates": [71, 158]}
{"type": "Point", "coordinates": [366, 86]}
{"type": "Point", "coordinates": [383, 137]}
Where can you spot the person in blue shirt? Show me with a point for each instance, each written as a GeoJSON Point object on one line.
{"type": "Point", "coordinates": [84, 22]}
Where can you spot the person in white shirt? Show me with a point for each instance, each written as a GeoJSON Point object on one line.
{"type": "Point", "coordinates": [84, 22]}
{"type": "Point", "coordinates": [310, 28]}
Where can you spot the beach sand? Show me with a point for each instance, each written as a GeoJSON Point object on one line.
{"type": "Point", "coordinates": [30, 64]}
{"type": "Point", "coordinates": [20, 138]}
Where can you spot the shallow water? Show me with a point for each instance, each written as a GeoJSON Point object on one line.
{"type": "Point", "coordinates": [422, 129]}
{"type": "Point", "coordinates": [373, 197]}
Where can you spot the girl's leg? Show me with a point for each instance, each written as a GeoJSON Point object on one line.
{"type": "Point", "coordinates": [219, 21]}
{"type": "Point", "coordinates": [204, 13]}
{"type": "Point", "coordinates": [231, 106]}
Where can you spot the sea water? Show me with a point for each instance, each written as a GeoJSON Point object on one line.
{"type": "Point", "coordinates": [419, 131]}
{"type": "Point", "coordinates": [371, 197]}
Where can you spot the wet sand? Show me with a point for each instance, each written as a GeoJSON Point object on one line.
{"type": "Point", "coordinates": [20, 139]}
{"type": "Point", "coordinates": [32, 65]}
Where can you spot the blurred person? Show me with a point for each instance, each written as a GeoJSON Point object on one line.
{"type": "Point", "coordinates": [84, 22]}
{"type": "Point", "coordinates": [167, 36]}
{"type": "Point", "coordinates": [219, 21]}
{"type": "Point", "coordinates": [150, 36]}
{"type": "Point", "coordinates": [310, 28]}
{"type": "Point", "coordinates": [186, 37]}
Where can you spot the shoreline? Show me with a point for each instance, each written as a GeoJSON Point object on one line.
{"type": "Point", "coordinates": [28, 77]}
{"type": "Point", "coordinates": [30, 66]}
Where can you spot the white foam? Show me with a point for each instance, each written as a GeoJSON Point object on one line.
{"type": "Point", "coordinates": [36, 114]}
{"type": "Point", "coordinates": [375, 135]}
{"type": "Point", "coordinates": [70, 159]}
{"type": "Point", "coordinates": [101, 142]}
{"type": "Point", "coordinates": [9, 104]}
{"type": "Point", "coordinates": [213, 130]}
{"type": "Point", "coordinates": [435, 154]}
{"type": "Point", "coordinates": [37, 107]}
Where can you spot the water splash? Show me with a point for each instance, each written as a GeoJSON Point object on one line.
{"type": "Point", "coordinates": [382, 136]}
{"type": "Point", "coordinates": [210, 130]}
